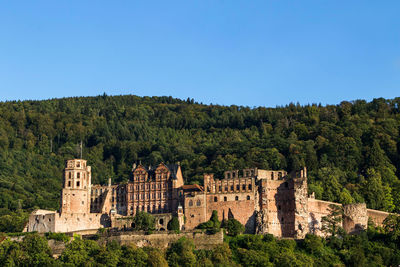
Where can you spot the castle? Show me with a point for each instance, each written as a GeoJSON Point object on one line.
{"type": "Point", "coordinates": [264, 201]}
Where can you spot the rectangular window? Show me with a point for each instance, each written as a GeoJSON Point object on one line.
{"type": "Point", "coordinates": [78, 175]}
{"type": "Point", "coordinates": [69, 183]}
{"type": "Point", "coordinates": [78, 184]}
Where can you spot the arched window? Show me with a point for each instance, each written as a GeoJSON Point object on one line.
{"type": "Point", "coordinates": [198, 203]}
{"type": "Point", "coordinates": [236, 198]}
{"type": "Point", "coordinates": [243, 187]}
{"type": "Point", "coordinates": [249, 186]}
{"type": "Point", "coordinates": [237, 187]}
{"type": "Point", "coordinates": [190, 203]}
{"type": "Point", "coordinates": [225, 199]}
{"type": "Point", "coordinates": [215, 199]}
{"type": "Point", "coordinates": [248, 197]}
{"type": "Point", "coordinates": [231, 187]}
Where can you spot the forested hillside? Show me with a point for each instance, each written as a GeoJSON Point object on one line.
{"type": "Point", "coordinates": [350, 149]}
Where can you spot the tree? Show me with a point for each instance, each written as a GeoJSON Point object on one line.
{"type": "Point", "coordinates": [332, 222]}
{"type": "Point", "coordinates": [213, 225]}
{"type": "Point", "coordinates": [234, 227]}
{"type": "Point", "coordinates": [173, 224]}
{"type": "Point", "coordinates": [144, 221]}
{"type": "Point", "coordinates": [181, 253]}
{"type": "Point", "coordinates": [392, 226]}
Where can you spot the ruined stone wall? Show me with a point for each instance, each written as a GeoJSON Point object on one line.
{"type": "Point", "coordinates": [316, 210]}
{"type": "Point", "coordinates": [301, 207]}
{"type": "Point", "coordinates": [239, 205]}
{"type": "Point", "coordinates": [280, 207]}
{"type": "Point", "coordinates": [195, 210]}
{"type": "Point", "coordinates": [41, 222]}
{"type": "Point", "coordinates": [163, 240]}
{"type": "Point", "coordinates": [80, 221]}
{"type": "Point", "coordinates": [377, 216]}
{"type": "Point", "coordinates": [355, 217]}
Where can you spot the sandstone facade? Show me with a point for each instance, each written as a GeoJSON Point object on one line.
{"type": "Point", "coordinates": [264, 201]}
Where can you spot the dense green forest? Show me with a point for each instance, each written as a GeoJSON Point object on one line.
{"type": "Point", "coordinates": [350, 149]}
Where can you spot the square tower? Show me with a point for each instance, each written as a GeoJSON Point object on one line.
{"type": "Point", "coordinates": [75, 196]}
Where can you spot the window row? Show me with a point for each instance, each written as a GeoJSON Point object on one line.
{"type": "Point", "coordinates": [150, 209]}
{"type": "Point", "coordinates": [236, 198]}
{"type": "Point", "coordinates": [198, 203]}
{"type": "Point", "coordinates": [148, 196]}
{"type": "Point", "coordinates": [147, 186]}
{"type": "Point", "coordinates": [231, 187]}
{"type": "Point", "coordinates": [78, 175]}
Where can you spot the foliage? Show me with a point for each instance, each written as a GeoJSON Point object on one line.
{"type": "Point", "coordinates": [58, 236]}
{"type": "Point", "coordinates": [332, 222]}
{"type": "Point", "coordinates": [374, 247]}
{"type": "Point", "coordinates": [173, 224]}
{"type": "Point", "coordinates": [213, 225]}
{"type": "Point", "coordinates": [233, 227]}
{"type": "Point", "coordinates": [144, 221]}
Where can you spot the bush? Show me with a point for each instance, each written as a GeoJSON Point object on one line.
{"type": "Point", "coordinates": [173, 224]}
{"type": "Point", "coordinates": [234, 227]}
{"type": "Point", "coordinates": [57, 236]}
{"type": "Point", "coordinates": [213, 225]}
{"type": "Point", "coordinates": [144, 221]}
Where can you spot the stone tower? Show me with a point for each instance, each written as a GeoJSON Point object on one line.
{"type": "Point", "coordinates": [75, 196]}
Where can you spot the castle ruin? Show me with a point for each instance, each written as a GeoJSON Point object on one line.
{"type": "Point", "coordinates": [264, 201]}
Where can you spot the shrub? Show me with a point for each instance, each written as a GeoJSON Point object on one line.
{"type": "Point", "coordinates": [173, 224]}
{"type": "Point", "coordinates": [144, 221]}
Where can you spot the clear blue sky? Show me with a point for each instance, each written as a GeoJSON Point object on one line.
{"type": "Point", "coordinates": [248, 53]}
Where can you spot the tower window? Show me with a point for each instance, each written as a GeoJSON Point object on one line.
{"type": "Point", "coordinates": [225, 198]}
{"type": "Point", "coordinates": [244, 187]}
{"type": "Point", "coordinates": [231, 187]}
{"type": "Point", "coordinates": [249, 186]}
{"type": "Point", "coordinates": [78, 175]}
{"type": "Point", "coordinates": [69, 183]}
{"type": "Point", "coordinates": [248, 197]}
{"type": "Point", "coordinates": [237, 187]}
{"type": "Point", "coordinates": [78, 184]}
{"type": "Point", "coordinates": [236, 198]}
{"type": "Point", "coordinates": [69, 175]}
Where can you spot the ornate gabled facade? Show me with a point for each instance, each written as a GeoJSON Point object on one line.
{"type": "Point", "coordinates": [264, 201]}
